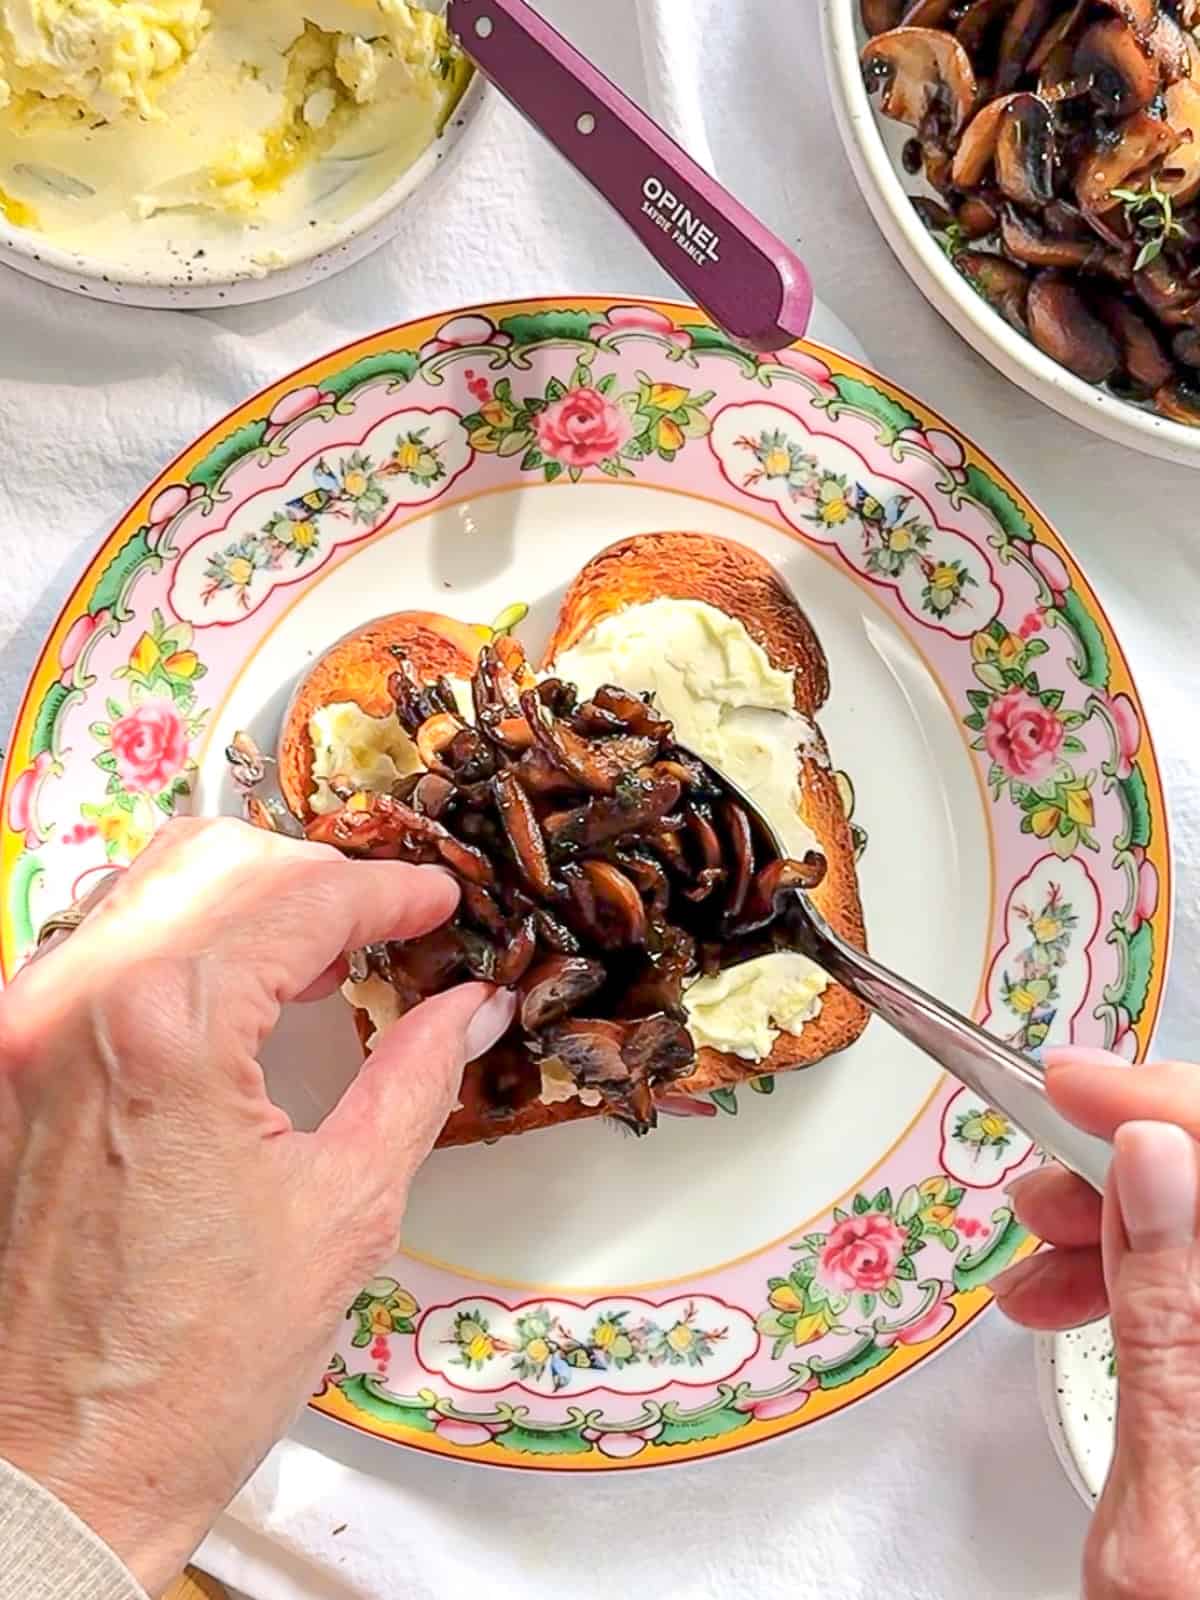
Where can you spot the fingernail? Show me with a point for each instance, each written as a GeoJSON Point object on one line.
{"type": "Point", "coordinates": [490, 1022]}
{"type": "Point", "coordinates": [1158, 1184]}
{"type": "Point", "coordinates": [1082, 1055]}
{"type": "Point", "coordinates": [1012, 1277]}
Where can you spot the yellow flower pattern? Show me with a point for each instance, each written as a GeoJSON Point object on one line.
{"type": "Point", "coordinates": [1030, 987]}
{"type": "Point", "coordinates": [353, 489]}
{"type": "Point", "coordinates": [543, 1349]}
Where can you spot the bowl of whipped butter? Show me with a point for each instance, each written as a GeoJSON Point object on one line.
{"type": "Point", "coordinates": [209, 152]}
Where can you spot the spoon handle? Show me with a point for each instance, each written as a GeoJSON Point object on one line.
{"type": "Point", "coordinates": [750, 283]}
{"type": "Point", "coordinates": [1014, 1083]}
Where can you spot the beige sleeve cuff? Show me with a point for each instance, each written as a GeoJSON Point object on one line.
{"type": "Point", "coordinates": [47, 1553]}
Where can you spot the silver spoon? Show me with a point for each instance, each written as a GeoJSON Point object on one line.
{"type": "Point", "coordinates": [1014, 1083]}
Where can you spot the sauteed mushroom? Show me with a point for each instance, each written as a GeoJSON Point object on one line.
{"type": "Point", "coordinates": [924, 77]}
{"type": "Point", "coordinates": [600, 868]}
{"type": "Point", "coordinates": [1061, 324]}
{"type": "Point", "coordinates": [1002, 283]}
{"type": "Point", "coordinates": [1062, 136]}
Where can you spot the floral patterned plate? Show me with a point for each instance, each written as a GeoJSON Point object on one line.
{"type": "Point", "coordinates": [575, 1300]}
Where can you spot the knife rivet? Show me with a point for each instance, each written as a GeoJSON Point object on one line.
{"type": "Point", "coordinates": [586, 123]}
{"type": "Point", "coordinates": [483, 27]}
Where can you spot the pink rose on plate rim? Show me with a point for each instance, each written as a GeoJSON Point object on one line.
{"type": "Point", "coordinates": [22, 799]}
{"type": "Point", "coordinates": [150, 746]}
{"type": "Point", "coordinates": [582, 429]}
{"type": "Point", "coordinates": [861, 1252]}
{"type": "Point", "coordinates": [1022, 736]}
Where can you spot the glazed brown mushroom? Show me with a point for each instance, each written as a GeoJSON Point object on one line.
{"type": "Point", "coordinates": [1121, 74]}
{"type": "Point", "coordinates": [1015, 136]}
{"type": "Point", "coordinates": [1003, 284]}
{"type": "Point", "coordinates": [1061, 324]}
{"type": "Point", "coordinates": [978, 21]}
{"type": "Point", "coordinates": [615, 913]}
{"type": "Point", "coordinates": [637, 808]}
{"type": "Point", "coordinates": [977, 147]}
{"type": "Point", "coordinates": [524, 832]}
{"type": "Point", "coordinates": [553, 988]}
{"type": "Point", "coordinates": [1025, 151]}
{"type": "Point", "coordinates": [1081, 157]}
{"type": "Point", "coordinates": [978, 216]}
{"type": "Point", "coordinates": [1144, 141]}
{"type": "Point", "coordinates": [1180, 174]}
{"type": "Point", "coordinates": [1026, 23]}
{"type": "Point", "coordinates": [927, 13]}
{"type": "Point", "coordinates": [1180, 403]}
{"type": "Point", "coordinates": [881, 15]}
{"type": "Point", "coordinates": [1053, 55]}
{"type": "Point", "coordinates": [1143, 360]}
{"type": "Point", "coordinates": [924, 78]}
{"type": "Point", "coordinates": [1168, 291]}
{"type": "Point", "coordinates": [1024, 240]}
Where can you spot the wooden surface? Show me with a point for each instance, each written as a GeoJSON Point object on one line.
{"type": "Point", "coordinates": [195, 1586]}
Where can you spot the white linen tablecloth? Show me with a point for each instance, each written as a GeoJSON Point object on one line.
{"type": "Point", "coordinates": [943, 1485]}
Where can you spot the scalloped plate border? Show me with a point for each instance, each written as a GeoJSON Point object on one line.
{"type": "Point", "coordinates": [839, 501]}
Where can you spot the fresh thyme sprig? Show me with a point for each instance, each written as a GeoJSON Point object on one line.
{"type": "Point", "coordinates": [1150, 214]}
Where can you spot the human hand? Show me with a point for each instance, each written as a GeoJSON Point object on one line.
{"type": "Point", "coordinates": [174, 1257]}
{"type": "Point", "coordinates": [1136, 1256]}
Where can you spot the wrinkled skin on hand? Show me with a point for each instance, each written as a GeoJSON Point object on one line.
{"type": "Point", "coordinates": [1135, 1256]}
{"type": "Point", "coordinates": [174, 1256]}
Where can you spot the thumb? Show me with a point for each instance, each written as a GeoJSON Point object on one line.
{"type": "Point", "coordinates": [394, 1110]}
{"type": "Point", "coordinates": [1152, 1268]}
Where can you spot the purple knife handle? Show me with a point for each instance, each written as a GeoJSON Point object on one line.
{"type": "Point", "coordinates": [748, 281]}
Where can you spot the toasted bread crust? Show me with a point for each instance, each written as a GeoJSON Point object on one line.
{"type": "Point", "coordinates": [684, 566]}
{"type": "Point", "coordinates": [357, 668]}
{"type": "Point", "coordinates": [699, 566]}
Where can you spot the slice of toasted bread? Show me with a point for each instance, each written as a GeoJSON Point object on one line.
{"type": "Point", "coordinates": [739, 582]}
{"type": "Point", "coordinates": [357, 669]}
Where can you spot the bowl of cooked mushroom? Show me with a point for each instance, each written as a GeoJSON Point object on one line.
{"type": "Point", "coordinates": [1035, 165]}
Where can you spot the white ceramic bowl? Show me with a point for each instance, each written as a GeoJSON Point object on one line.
{"type": "Point", "coordinates": [151, 279]}
{"type": "Point", "coordinates": [873, 145]}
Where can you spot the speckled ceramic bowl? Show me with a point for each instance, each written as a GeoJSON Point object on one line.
{"type": "Point", "coordinates": [873, 145]}
{"type": "Point", "coordinates": [304, 256]}
{"type": "Point", "coordinates": [1078, 1390]}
